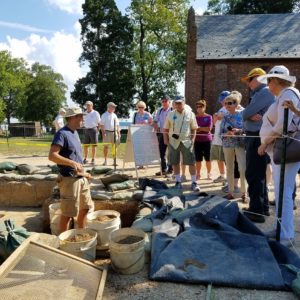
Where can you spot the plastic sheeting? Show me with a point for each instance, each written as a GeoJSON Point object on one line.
{"type": "Point", "coordinates": [212, 242]}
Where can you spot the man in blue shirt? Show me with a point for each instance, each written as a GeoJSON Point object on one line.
{"type": "Point", "coordinates": [256, 165]}
{"type": "Point", "coordinates": [74, 188]}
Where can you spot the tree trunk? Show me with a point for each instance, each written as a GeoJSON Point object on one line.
{"type": "Point", "coordinates": [144, 95]}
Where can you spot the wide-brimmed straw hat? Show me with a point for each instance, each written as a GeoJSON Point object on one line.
{"type": "Point", "coordinates": [74, 111]}
{"type": "Point", "coordinates": [281, 72]}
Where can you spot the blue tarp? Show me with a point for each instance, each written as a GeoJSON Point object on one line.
{"type": "Point", "coordinates": [210, 241]}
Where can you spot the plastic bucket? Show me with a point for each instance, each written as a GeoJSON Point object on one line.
{"type": "Point", "coordinates": [54, 215]}
{"type": "Point", "coordinates": [84, 249]}
{"type": "Point", "coordinates": [127, 258]}
{"type": "Point", "coordinates": [103, 229]}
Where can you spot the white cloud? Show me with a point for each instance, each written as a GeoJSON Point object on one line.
{"type": "Point", "coordinates": [23, 27]}
{"type": "Point", "coordinates": [70, 6]}
{"type": "Point", "coordinates": [61, 51]}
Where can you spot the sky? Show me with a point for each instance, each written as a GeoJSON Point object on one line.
{"type": "Point", "coordinates": [48, 32]}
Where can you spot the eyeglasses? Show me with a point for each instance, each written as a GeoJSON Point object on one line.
{"type": "Point", "coordinates": [230, 103]}
{"type": "Point", "coordinates": [141, 107]}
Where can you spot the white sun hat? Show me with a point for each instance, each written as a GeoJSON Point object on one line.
{"type": "Point", "coordinates": [277, 72]}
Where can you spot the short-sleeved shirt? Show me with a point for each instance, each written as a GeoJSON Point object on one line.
{"type": "Point", "coordinates": [70, 145]}
{"type": "Point", "coordinates": [204, 121]}
{"type": "Point", "coordinates": [108, 119]}
{"type": "Point", "coordinates": [59, 122]}
{"type": "Point", "coordinates": [217, 138]}
{"type": "Point", "coordinates": [92, 119]}
{"type": "Point", "coordinates": [235, 121]}
{"type": "Point", "coordinates": [142, 119]}
{"type": "Point", "coordinates": [181, 124]}
{"type": "Point", "coordinates": [161, 115]}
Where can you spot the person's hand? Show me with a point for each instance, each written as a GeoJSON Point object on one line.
{"type": "Point", "coordinates": [229, 133]}
{"type": "Point", "coordinates": [256, 117]}
{"type": "Point", "coordinates": [290, 105]}
{"type": "Point", "coordinates": [262, 149]}
{"type": "Point", "coordinates": [77, 167]}
{"type": "Point", "coordinates": [219, 116]}
{"type": "Point", "coordinates": [236, 130]}
{"type": "Point", "coordinates": [166, 142]}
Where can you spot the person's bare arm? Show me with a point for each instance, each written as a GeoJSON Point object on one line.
{"type": "Point", "coordinates": [193, 135]}
{"type": "Point", "coordinates": [290, 105]}
{"type": "Point", "coordinates": [60, 160]}
{"type": "Point", "coordinates": [166, 136]}
{"type": "Point", "coordinates": [203, 129]}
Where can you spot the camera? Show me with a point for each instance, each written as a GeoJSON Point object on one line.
{"type": "Point", "coordinates": [175, 136]}
{"type": "Point", "coordinates": [229, 128]}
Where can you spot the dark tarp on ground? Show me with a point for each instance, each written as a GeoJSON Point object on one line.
{"type": "Point", "coordinates": [212, 242]}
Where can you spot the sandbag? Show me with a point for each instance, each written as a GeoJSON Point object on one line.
{"type": "Point", "coordinates": [121, 186]}
{"type": "Point", "coordinates": [44, 171]}
{"type": "Point", "coordinates": [152, 183]}
{"type": "Point", "coordinates": [25, 169]}
{"type": "Point", "coordinates": [54, 169]}
{"type": "Point", "coordinates": [114, 178]}
{"type": "Point", "coordinates": [101, 195]}
{"type": "Point", "coordinates": [101, 170]}
{"type": "Point", "coordinates": [143, 223]}
{"type": "Point", "coordinates": [138, 195]}
{"type": "Point", "coordinates": [7, 166]}
{"type": "Point", "coordinates": [122, 196]}
{"type": "Point", "coordinates": [11, 237]}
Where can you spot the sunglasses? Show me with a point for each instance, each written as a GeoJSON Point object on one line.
{"type": "Point", "coordinates": [230, 103]}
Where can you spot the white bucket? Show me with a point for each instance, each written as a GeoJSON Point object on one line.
{"type": "Point", "coordinates": [127, 258]}
{"type": "Point", "coordinates": [84, 249]}
{"type": "Point", "coordinates": [54, 215]}
{"type": "Point", "coordinates": [103, 229]}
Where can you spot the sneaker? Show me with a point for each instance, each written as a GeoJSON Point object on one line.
{"type": "Point", "coordinates": [183, 178]}
{"type": "Point", "coordinates": [93, 161]}
{"type": "Point", "coordinates": [178, 185]}
{"type": "Point", "coordinates": [104, 163]}
{"type": "Point", "coordinates": [85, 161]}
{"type": "Point", "coordinates": [220, 179]}
{"type": "Point", "coordinates": [225, 188]}
{"type": "Point", "coordinates": [195, 187]}
{"type": "Point", "coordinates": [160, 173]}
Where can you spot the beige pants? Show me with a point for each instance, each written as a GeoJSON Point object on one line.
{"type": "Point", "coordinates": [74, 194]}
{"type": "Point", "coordinates": [240, 154]}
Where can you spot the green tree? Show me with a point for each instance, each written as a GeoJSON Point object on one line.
{"type": "Point", "coordinates": [251, 7]}
{"type": "Point", "coordinates": [159, 46]}
{"type": "Point", "coordinates": [2, 112]}
{"type": "Point", "coordinates": [44, 95]}
{"type": "Point", "coordinates": [107, 50]}
{"type": "Point", "coordinates": [14, 77]}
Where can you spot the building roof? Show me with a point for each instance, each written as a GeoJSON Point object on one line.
{"type": "Point", "coordinates": [248, 36]}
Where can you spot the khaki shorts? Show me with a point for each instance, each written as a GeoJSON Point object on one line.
{"type": "Point", "coordinates": [216, 153]}
{"type": "Point", "coordinates": [109, 138]}
{"type": "Point", "coordinates": [188, 155]}
{"type": "Point", "coordinates": [74, 194]}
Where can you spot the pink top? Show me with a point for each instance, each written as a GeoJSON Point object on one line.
{"type": "Point", "coordinates": [204, 121]}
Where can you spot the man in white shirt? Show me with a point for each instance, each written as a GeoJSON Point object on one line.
{"type": "Point", "coordinates": [92, 125]}
{"type": "Point", "coordinates": [108, 121]}
{"type": "Point", "coordinates": [59, 120]}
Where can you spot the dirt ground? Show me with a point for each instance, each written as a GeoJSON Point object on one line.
{"type": "Point", "coordinates": [138, 286]}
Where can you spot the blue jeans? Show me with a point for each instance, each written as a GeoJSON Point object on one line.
{"type": "Point", "coordinates": [287, 222]}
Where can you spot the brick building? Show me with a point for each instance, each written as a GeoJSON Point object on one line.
{"type": "Point", "coordinates": [222, 48]}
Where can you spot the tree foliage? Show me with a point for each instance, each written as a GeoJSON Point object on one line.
{"type": "Point", "coordinates": [159, 46]}
{"type": "Point", "coordinates": [251, 6]}
{"type": "Point", "coordinates": [14, 77]}
{"type": "Point", "coordinates": [44, 94]}
{"type": "Point", "coordinates": [107, 50]}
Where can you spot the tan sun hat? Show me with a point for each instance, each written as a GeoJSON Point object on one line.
{"type": "Point", "coordinates": [74, 111]}
{"type": "Point", "coordinates": [111, 104]}
{"type": "Point", "coordinates": [253, 73]}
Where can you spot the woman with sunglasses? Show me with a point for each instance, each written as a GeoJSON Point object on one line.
{"type": "Point", "coordinates": [231, 127]}
{"type": "Point", "coordinates": [141, 116]}
{"type": "Point", "coordinates": [203, 139]}
{"type": "Point", "coordinates": [280, 84]}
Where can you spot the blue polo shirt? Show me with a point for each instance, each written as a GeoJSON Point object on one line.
{"type": "Point", "coordinates": [70, 145]}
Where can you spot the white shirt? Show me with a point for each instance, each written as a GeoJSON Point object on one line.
{"type": "Point", "coordinates": [92, 119]}
{"type": "Point", "coordinates": [59, 122]}
{"type": "Point", "coordinates": [273, 118]}
{"type": "Point", "coordinates": [108, 119]}
{"type": "Point", "coordinates": [217, 138]}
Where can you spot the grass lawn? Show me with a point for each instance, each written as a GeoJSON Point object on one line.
{"type": "Point", "coordinates": [40, 146]}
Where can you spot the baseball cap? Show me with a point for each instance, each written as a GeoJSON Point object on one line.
{"type": "Point", "coordinates": [179, 99]}
{"type": "Point", "coordinates": [165, 97]}
{"type": "Point", "coordinates": [223, 95]}
{"type": "Point", "coordinates": [253, 73]}
{"type": "Point", "coordinates": [111, 104]}
{"type": "Point", "coordinates": [73, 111]}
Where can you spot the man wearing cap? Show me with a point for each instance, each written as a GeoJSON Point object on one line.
{"type": "Point", "coordinates": [92, 126]}
{"type": "Point", "coordinates": [179, 134]}
{"type": "Point", "coordinates": [217, 148]}
{"type": "Point", "coordinates": [109, 128]}
{"type": "Point", "coordinates": [59, 120]}
{"type": "Point", "coordinates": [158, 125]}
{"type": "Point", "coordinates": [256, 165]}
{"type": "Point", "coordinates": [66, 152]}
